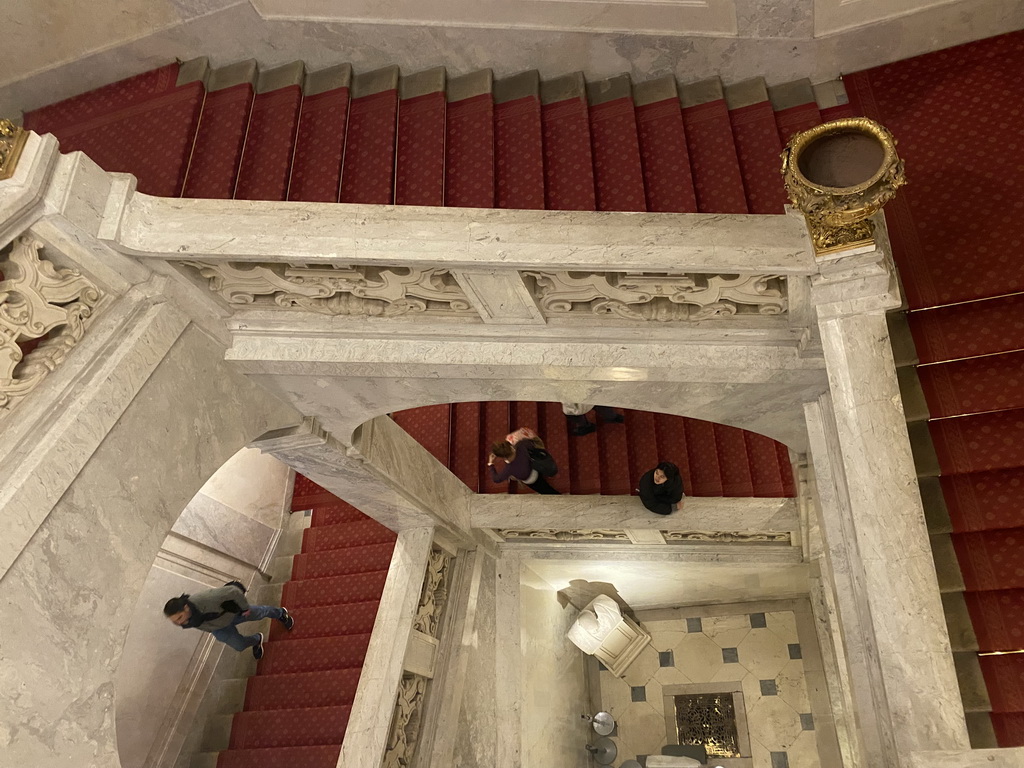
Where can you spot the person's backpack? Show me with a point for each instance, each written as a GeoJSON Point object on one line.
{"type": "Point", "coordinates": [542, 461]}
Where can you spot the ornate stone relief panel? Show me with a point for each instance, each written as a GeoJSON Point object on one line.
{"type": "Point", "coordinates": [38, 301]}
{"type": "Point", "coordinates": [337, 290]}
{"type": "Point", "coordinates": [435, 593]}
{"type": "Point", "coordinates": [599, 536]}
{"type": "Point", "coordinates": [661, 297]}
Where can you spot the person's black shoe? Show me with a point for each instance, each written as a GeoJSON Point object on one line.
{"type": "Point", "coordinates": [257, 650]}
{"type": "Point", "coordinates": [583, 429]}
{"type": "Point", "coordinates": [613, 418]}
{"type": "Point", "coordinates": [287, 619]}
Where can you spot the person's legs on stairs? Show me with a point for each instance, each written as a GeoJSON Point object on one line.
{"type": "Point", "coordinates": [232, 638]}
{"type": "Point", "coordinates": [580, 425]}
{"type": "Point", "coordinates": [609, 415]}
{"type": "Point", "coordinates": [541, 485]}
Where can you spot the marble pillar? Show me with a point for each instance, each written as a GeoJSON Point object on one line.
{"type": "Point", "coordinates": [876, 522]}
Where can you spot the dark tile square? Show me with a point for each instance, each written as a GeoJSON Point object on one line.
{"type": "Point", "coordinates": [694, 625]}
{"type": "Point", "coordinates": [666, 659]}
{"type": "Point", "coordinates": [757, 621]}
{"type": "Point", "coordinates": [807, 721]}
{"type": "Point", "coordinates": [642, 759]}
{"type": "Point", "coordinates": [637, 693]}
{"type": "Point", "coordinates": [731, 655]}
{"type": "Point", "coordinates": [769, 688]}
{"type": "Point", "coordinates": [307, 513]}
{"type": "Point", "coordinates": [794, 651]}
{"type": "Point", "coordinates": [780, 760]}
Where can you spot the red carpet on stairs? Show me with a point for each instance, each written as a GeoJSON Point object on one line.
{"type": "Point", "coordinates": [714, 459]}
{"type": "Point", "coordinates": [298, 704]}
{"type": "Point", "coordinates": [956, 240]}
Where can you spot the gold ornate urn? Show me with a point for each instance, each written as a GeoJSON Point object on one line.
{"type": "Point", "coordinates": [12, 141]}
{"type": "Point", "coordinates": [839, 174]}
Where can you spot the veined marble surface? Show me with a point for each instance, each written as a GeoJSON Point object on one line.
{"type": "Point", "coordinates": [73, 588]}
{"type": "Point", "coordinates": [216, 525]}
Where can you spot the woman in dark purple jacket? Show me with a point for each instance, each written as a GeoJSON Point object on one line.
{"type": "Point", "coordinates": [517, 466]}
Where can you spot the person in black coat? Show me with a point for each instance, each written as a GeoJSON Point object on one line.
{"type": "Point", "coordinates": [661, 488]}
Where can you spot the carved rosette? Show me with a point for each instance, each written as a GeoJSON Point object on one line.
{"type": "Point", "coordinates": [337, 290]}
{"type": "Point", "coordinates": [38, 301]}
{"type": "Point", "coordinates": [658, 297]}
{"type": "Point", "coordinates": [435, 593]}
{"type": "Point", "coordinates": [12, 142]}
{"type": "Point", "coordinates": [839, 174]}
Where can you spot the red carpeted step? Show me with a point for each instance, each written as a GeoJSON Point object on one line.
{"type": "Point", "coordinates": [337, 511]}
{"type": "Point", "coordinates": [337, 562]}
{"type": "Point", "coordinates": [322, 756]}
{"type": "Point", "coordinates": [314, 654]}
{"type": "Point", "coordinates": [327, 621]}
{"type": "Point", "coordinates": [618, 173]}
{"type": "Point", "coordinates": [613, 459]}
{"type": "Point", "coordinates": [713, 161]}
{"type": "Point", "coordinates": [1004, 679]}
{"type": "Point", "coordinates": [469, 152]}
{"type": "Point", "coordinates": [419, 171]}
{"type": "Point", "coordinates": [670, 435]}
{"type": "Point", "coordinates": [641, 440]}
{"type": "Point", "coordinates": [466, 456]}
{"type": "Point", "coordinates": [143, 125]}
{"type": "Point", "coordinates": [971, 329]}
{"type": "Point", "coordinates": [1009, 728]}
{"type": "Point", "coordinates": [518, 142]}
{"type": "Point", "coordinates": [289, 727]}
{"type": "Point", "coordinates": [991, 559]}
{"type": "Point", "coordinates": [430, 426]}
{"type": "Point", "coordinates": [345, 535]}
{"type": "Point", "coordinates": [320, 146]}
{"type": "Point", "coordinates": [703, 458]}
{"type": "Point", "coordinates": [568, 159]}
{"type": "Point", "coordinates": [733, 462]}
{"type": "Point", "coordinates": [786, 470]}
{"type": "Point", "coordinates": [327, 688]}
{"type": "Point", "coordinates": [495, 424]}
{"type": "Point", "coordinates": [663, 148]}
{"type": "Point", "coordinates": [524, 415]}
{"type": "Point", "coordinates": [307, 494]}
{"type": "Point", "coordinates": [585, 461]}
{"type": "Point", "coordinates": [837, 112]}
{"type": "Point", "coordinates": [974, 385]}
{"type": "Point", "coordinates": [998, 618]}
{"type": "Point", "coordinates": [758, 149]}
{"type": "Point", "coordinates": [369, 171]}
{"type": "Point", "coordinates": [330, 590]}
{"type": "Point", "coordinates": [982, 501]}
{"type": "Point", "coordinates": [269, 141]}
{"type": "Point", "coordinates": [949, 253]}
{"type": "Point", "coordinates": [213, 169]}
{"type": "Point", "coordinates": [765, 474]}
{"type": "Point", "coordinates": [979, 443]}
{"type": "Point", "coordinates": [555, 433]}
{"type": "Point", "coordinates": [795, 119]}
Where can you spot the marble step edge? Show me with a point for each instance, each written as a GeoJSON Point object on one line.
{"type": "Point", "coordinates": [827, 94]}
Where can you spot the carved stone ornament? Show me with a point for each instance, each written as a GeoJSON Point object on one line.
{"type": "Point", "coordinates": [12, 141]}
{"type": "Point", "coordinates": [728, 536]}
{"type": "Point", "coordinates": [553, 534]}
{"type": "Point", "coordinates": [660, 297]}
{"type": "Point", "coordinates": [405, 725]}
{"type": "Point", "coordinates": [435, 593]}
{"type": "Point", "coordinates": [839, 174]}
{"type": "Point", "coordinates": [331, 290]}
{"type": "Point", "coordinates": [38, 300]}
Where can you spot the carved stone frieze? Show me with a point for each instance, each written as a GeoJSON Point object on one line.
{"type": "Point", "coordinates": [435, 593]}
{"type": "Point", "coordinates": [38, 301]}
{"type": "Point", "coordinates": [552, 534]}
{"type": "Point", "coordinates": [405, 724]}
{"type": "Point", "coordinates": [337, 290]}
{"type": "Point", "coordinates": [659, 297]}
{"type": "Point", "coordinates": [727, 536]}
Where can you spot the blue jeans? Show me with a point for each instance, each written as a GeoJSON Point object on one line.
{"type": "Point", "coordinates": [235, 639]}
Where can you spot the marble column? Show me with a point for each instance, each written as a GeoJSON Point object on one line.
{"type": "Point", "coordinates": [906, 688]}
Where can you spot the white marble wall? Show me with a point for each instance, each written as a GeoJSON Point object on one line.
{"type": "Point", "coordinates": [73, 590]}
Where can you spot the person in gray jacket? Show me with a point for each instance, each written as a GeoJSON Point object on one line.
{"type": "Point", "coordinates": [217, 611]}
